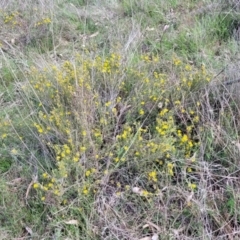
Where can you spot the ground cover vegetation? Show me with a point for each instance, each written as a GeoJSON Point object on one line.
{"type": "Point", "coordinates": [119, 119]}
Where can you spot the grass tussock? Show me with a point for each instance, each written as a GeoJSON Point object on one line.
{"type": "Point", "coordinates": [119, 120]}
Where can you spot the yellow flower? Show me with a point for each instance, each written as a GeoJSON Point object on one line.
{"type": "Point", "coordinates": [152, 176]}
{"type": "Point", "coordinates": [137, 153]}
{"type": "Point", "coordinates": [14, 151]}
{"type": "Point", "coordinates": [85, 191]}
{"type": "Point", "coordinates": [114, 111]}
{"type": "Point", "coordinates": [125, 148]}
{"type": "Point", "coordinates": [4, 135]}
{"type": "Point", "coordinates": [188, 67]}
{"type": "Point", "coordinates": [160, 162]}
{"type": "Point", "coordinates": [190, 144]}
{"type": "Point", "coordinates": [35, 185]}
{"type": "Point", "coordinates": [144, 193]}
{"type": "Point", "coordinates": [45, 175]}
{"type": "Point", "coordinates": [189, 128]}
{"type": "Point", "coordinates": [75, 159]}
{"type": "Point", "coordinates": [163, 112]}
{"type": "Point", "coordinates": [176, 62]}
{"type": "Point", "coordinates": [118, 194]}
{"type": "Point", "coordinates": [82, 149]}
{"type": "Point", "coordinates": [107, 104]}
{"type": "Point", "coordinates": [88, 172]}
{"type": "Point", "coordinates": [191, 112]}
{"type": "Point", "coordinates": [141, 112]}
{"type": "Point", "coordinates": [46, 20]}
{"type": "Point", "coordinates": [192, 186]}
{"type": "Point", "coordinates": [170, 169]}
{"type": "Point", "coordinates": [184, 138]}
{"type": "Point", "coordinates": [179, 133]}
{"type": "Point", "coordinates": [196, 119]}
{"type": "Point", "coordinates": [56, 192]}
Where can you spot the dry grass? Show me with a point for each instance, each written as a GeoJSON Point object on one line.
{"type": "Point", "coordinates": [116, 120]}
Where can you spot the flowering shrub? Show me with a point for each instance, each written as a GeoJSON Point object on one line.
{"type": "Point", "coordinates": [93, 110]}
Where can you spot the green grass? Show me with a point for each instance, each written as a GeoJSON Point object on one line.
{"type": "Point", "coordinates": [115, 122]}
